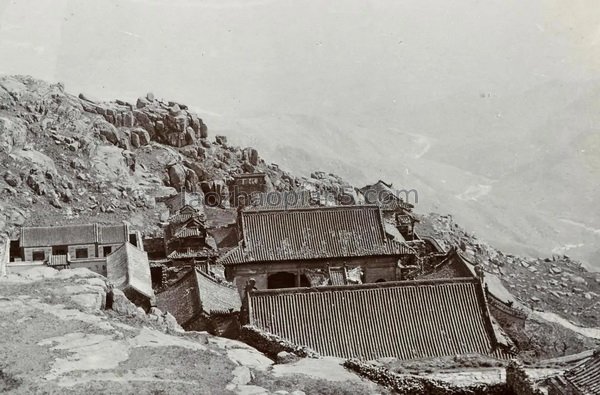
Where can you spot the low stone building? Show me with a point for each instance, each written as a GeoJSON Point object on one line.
{"type": "Point", "coordinates": [128, 269]}
{"type": "Point", "coordinates": [79, 241]}
{"type": "Point", "coordinates": [279, 248]}
{"type": "Point", "coordinates": [73, 246]}
{"type": "Point", "coordinates": [245, 185]}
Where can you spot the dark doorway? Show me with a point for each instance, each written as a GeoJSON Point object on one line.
{"type": "Point", "coordinates": [81, 253]}
{"type": "Point", "coordinates": [156, 273]}
{"type": "Point", "coordinates": [304, 281]}
{"type": "Point", "coordinates": [133, 239]}
{"type": "Point", "coordinates": [281, 280]}
{"type": "Point", "coordinates": [60, 250]}
{"type": "Point", "coordinates": [106, 250]}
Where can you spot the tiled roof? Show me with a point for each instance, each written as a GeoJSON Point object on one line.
{"type": "Point", "coordinates": [586, 376]}
{"type": "Point", "coordinates": [198, 293]}
{"type": "Point", "coordinates": [184, 217]}
{"type": "Point", "coordinates": [73, 234]}
{"type": "Point", "coordinates": [113, 234]}
{"type": "Point", "coordinates": [128, 267]}
{"type": "Point", "coordinates": [312, 233]}
{"type": "Point", "coordinates": [185, 226]}
{"type": "Point", "coordinates": [406, 320]}
{"type": "Point", "coordinates": [182, 299]}
{"type": "Point", "coordinates": [43, 236]}
{"type": "Point", "coordinates": [216, 297]}
{"type": "Point", "coordinates": [189, 232]}
{"type": "Point", "coordinates": [383, 194]}
{"type": "Point", "coordinates": [192, 253]}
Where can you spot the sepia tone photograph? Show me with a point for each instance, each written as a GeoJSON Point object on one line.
{"type": "Point", "coordinates": [300, 197]}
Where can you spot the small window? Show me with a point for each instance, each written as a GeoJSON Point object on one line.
{"type": "Point", "coordinates": [38, 255]}
{"type": "Point", "coordinates": [133, 239]}
{"type": "Point", "coordinates": [107, 250]}
{"type": "Point", "coordinates": [81, 253]}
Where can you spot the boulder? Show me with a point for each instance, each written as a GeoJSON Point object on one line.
{"type": "Point", "coordinates": [286, 357]}
{"type": "Point", "coordinates": [121, 304]}
{"type": "Point", "coordinates": [124, 142]}
{"type": "Point", "coordinates": [143, 135]}
{"type": "Point", "coordinates": [198, 169]}
{"type": "Point", "coordinates": [12, 179]}
{"type": "Point", "coordinates": [203, 130]}
{"type": "Point", "coordinates": [247, 167]}
{"type": "Point", "coordinates": [36, 182]}
{"type": "Point", "coordinates": [191, 180]}
{"type": "Point", "coordinates": [77, 163]}
{"type": "Point", "coordinates": [190, 151]}
{"type": "Point", "coordinates": [190, 136]}
{"type": "Point", "coordinates": [141, 102]}
{"type": "Point", "coordinates": [251, 155]}
{"type": "Point", "coordinates": [88, 98]}
{"type": "Point", "coordinates": [175, 109]}
{"type": "Point", "coordinates": [172, 324]}
{"type": "Point", "coordinates": [13, 134]}
{"type": "Point", "coordinates": [221, 140]}
{"type": "Point", "coordinates": [150, 96]}
{"type": "Point", "coordinates": [155, 311]}
{"type": "Point", "coordinates": [135, 140]}
{"type": "Point", "coordinates": [144, 121]}
{"type": "Point", "coordinates": [241, 375]}
{"type": "Point", "coordinates": [177, 176]}
{"type": "Point", "coordinates": [108, 131]}
{"type": "Point", "coordinates": [128, 119]}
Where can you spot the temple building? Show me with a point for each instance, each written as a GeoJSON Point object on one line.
{"type": "Point", "coordinates": [288, 248]}
{"type": "Point", "coordinates": [200, 302]}
{"type": "Point", "coordinates": [186, 239]}
{"type": "Point", "coordinates": [244, 186]}
{"type": "Point", "coordinates": [582, 379]}
{"type": "Point", "coordinates": [72, 246]}
{"type": "Point", "coordinates": [395, 208]}
{"type": "Point", "coordinates": [404, 320]}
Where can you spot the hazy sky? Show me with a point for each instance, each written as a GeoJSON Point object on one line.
{"type": "Point", "coordinates": [343, 57]}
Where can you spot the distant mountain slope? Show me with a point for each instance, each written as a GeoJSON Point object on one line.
{"type": "Point", "coordinates": [520, 171]}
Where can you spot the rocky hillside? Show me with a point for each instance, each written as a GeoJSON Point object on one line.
{"type": "Point", "coordinates": [70, 159]}
{"type": "Point", "coordinates": [67, 158]}
{"type": "Point", "coordinates": [555, 284]}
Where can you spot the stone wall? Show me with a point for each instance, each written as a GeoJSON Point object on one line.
{"type": "Point", "coordinates": [90, 248]}
{"type": "Point", "coordinates": [96, 265]}
{"type": "Point", "coordinates": [519, 382]}
{"type": "Point", "coordinates": [415, 385]}
{"type": "Point", "coordinates": [28, 252]}
{"type": "Point", "coordinates": [272, 345]}
{"type": "Point", "coordinates": [374, 269]}
{"type": "Point", "coordinates": [511, 320]}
